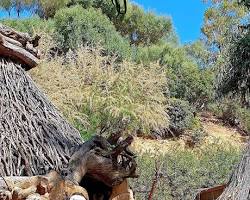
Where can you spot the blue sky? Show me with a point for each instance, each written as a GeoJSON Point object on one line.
{"type": "Point", "coordinates": [187, 15]}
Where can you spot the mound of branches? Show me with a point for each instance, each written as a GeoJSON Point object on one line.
{"type": "Point", "coordinates": [34, 136]}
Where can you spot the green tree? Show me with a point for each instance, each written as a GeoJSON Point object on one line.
{"type": "Point", "coordinates": [20, 5]}
{"type": "Point", "coordinates": [220, 21]}
{"type": "Point", "coordinates": [198, 52]}
{"type": "Point", "coordinates": [142, 27]}
{"type": "Point", "coordinates": [137, 25]}
{"type": "Point", "coordinates": [76, 26]}
{"type": "Point", "coordinates": [226, 30]}
{"type": "Point", "coordinates": [47, 8]}
{"type": "Point", "coordinates": [6, 5]}
{"type": "Point", "coordinates": [186, 79]}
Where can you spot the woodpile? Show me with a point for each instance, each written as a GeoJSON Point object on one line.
{"type": "Point", "coordinates": [41, 155]}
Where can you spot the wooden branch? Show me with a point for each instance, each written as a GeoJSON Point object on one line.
{"type": "Point", "coordinates": [155, 180]}
{"type": "Point", "coordinates": [19, 46]}
{"type": "Point", "coordinates": [49, 187]}
{"type": "Point", "coordinates": [102, 161]}
{"type": "Point", "coordinates": [23, 38]}
{"type": "Point", "coordinates": [16, 52]}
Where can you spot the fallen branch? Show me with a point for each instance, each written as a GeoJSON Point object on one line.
{"type": "Point", "coordinates": [19, 46]}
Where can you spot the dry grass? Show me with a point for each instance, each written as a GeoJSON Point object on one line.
{"type": "Point", "coordinates": [217, 134]}
{"type": "Point", "coordinates": [223, 133]}
{"type": "Point", "coordinates": [93, 86]}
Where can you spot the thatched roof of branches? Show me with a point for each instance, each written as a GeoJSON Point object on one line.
{"type": "Point", "coordinates": [30, 126]}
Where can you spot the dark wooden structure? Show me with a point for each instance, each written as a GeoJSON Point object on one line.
{"type": "Point", "coordinates": [210, 193]}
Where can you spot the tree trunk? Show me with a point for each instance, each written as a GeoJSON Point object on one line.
{"type": "Point", "coordinates": [239, 185]}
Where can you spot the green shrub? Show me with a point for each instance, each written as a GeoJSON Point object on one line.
{"type": "Point", "coordinates": [31, 25]}
{"type": "Point", "coordinates": [77, 26]}
{"type": "Point", "coordinates": [195, 137]}
{"type": "Point", "coordinates": [231, 112]}
{"type": "Point", "coordinates": [184, 171]}
{"type": "Point", "coordinates": [181, 116]}
{"type": "Point", "coordinates": [94, 91]}
{"type": "Point", "coordinates": [243, 114]}
{"type": "Point", "coordinates": [186, 80]}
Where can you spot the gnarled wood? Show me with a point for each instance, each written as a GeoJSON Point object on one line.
{"type": "Point", "coordinates": [95, 159]}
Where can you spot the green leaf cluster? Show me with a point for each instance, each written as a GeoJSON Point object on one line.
{"type": "Point", "coordinates": [76, 26]}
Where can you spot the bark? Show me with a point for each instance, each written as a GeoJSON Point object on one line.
{"type": "Point", "coordinates": [239, 185]}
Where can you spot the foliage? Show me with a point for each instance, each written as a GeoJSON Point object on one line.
{"type": "Point", "coordinates": [142, 27]}
{"type": "Point", "coordinates": [186, 80]}
{"type": "Point", "coordinates": [76, 26]}
{"type": "Point", "coordinates": [30, 25]}
{"type": "Point", "coordinates": [18, 5]}
{"type": "Point", "coordinates": [198, 52]}
{"type": "Point", "coordinates": [188, 73]}
{"type": "Point", "coordinates": [243, 114]}
{"type": "Point", "coordinates": [6, 5]}
{"type": "Point", "coordinates": [148, 54]}
{"type": "Point", "coordinates": [196, 137]}
{"type": "Point", "coordinates": [184, 171]}
{"type": "Point", "coordinates": [181, 116]}
{"type": "Point", "coordinates": [226, 34]}
{"type": "Point", "coordinates": [106, 7]}
{"type": "Point", "coordinates": [47, 8]}
{"type": "Point", "coordinates": [233, 76]}
{"type": "Point", "coordinates": [94, 91]}
{"type": "Point", "coordinates": [138, 26]}
{"type": "Point", "coordinates": [220, 20]}
{"type": "Point", "coordinates": [232, 112]}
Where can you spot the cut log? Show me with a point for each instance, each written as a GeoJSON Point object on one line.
{"type": "Point", "coordinates": [23, 38]}
{"type": "Point", "coordinates": [17, 53]}
{"type": "Point", "coordinates": [48, 187]}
